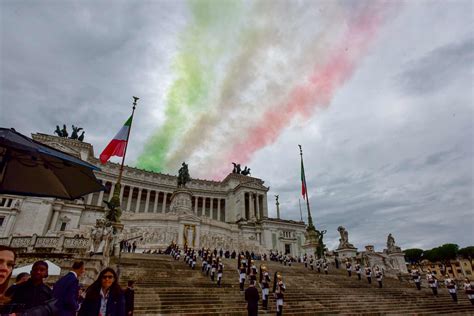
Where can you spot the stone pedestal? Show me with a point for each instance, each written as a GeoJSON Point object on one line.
{"type": "Point", "coordinates": [181, 201]}
{"type": "Point", "coordinates": [311, 245]}
{"type": "Point", "coordinates": [398, 261]}
{"type": "Point", "coordinates": [344, 253]}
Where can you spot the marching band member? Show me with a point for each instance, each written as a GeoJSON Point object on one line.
{"type": "Point", "coordinates": [416, 277]}
{"type": "Point", "coordinates": [348, 267]}
{"type": "Point", "coordinates": [326, 266]}
{"type": "Point", "coordinates": [220, 271]}
{"type": "Point", "coordinates": [379, 276]}
{"type": "Point", "coordinates": [265, 285]}
{"type": "Point", "coordinates": [452, 288]}
{"type": "Point", "coordinates": [213, 269]}
{"type": "Point", "coordinates": [278, 289]}
{"type": "Point", "coordinates": [318, 266]}
{"type": "Point", "coordinates": [242, 276]}
{"type": "Point", "coordinates": [432, 282]}
{"type": "Point", "coordinates": [469, 289]}
{"type": "Point", "coordinates": [311, 262]}
{"type": "Point", "coordinates": [368, 274]}
{"type": "Point", "coordinates": [305, 259]}
{"type": "Point", "coordinates": [358, 270]}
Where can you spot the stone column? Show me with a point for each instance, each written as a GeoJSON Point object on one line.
{"type": "Point", "coordinates": [265, 206]}
{"type": "Point", "coordinates": [257, 196]}
{"type": "Point", "coordinates": [203, 206]}
{"type": "Point", "coordinates": [122, 188]}
{"type": "Point", "coordinates": [211, 213]}
{"type": "Point", "coordinates": [251, 207]}
{"type": "Point", "coordinates": [147, 200]}
{"type": "Point", "coordinates": [139, 199]}
{"type": "Point", "coordinates": [180, 235]}
{"type": "Point", "coordinates": [219, 210]}
{"type": "Point", "coordinates": [130, 195]}
{"type": "Point", "coordinates": [155, 203]}
{"type": "Point", "coordinates": [54, 220]}
{"type": "Point", "coordinates": [89, 198]}
{"type": "Point", "coordinates": [197, 244]}
{"type": "Point", "coordinates": [101, 197]}
{"type": "Point", "coordinates": [163, 207]}
{"type": "Point", "coordinates": [112, 189]}
{"type": "Point", "coordinates": [196, 200]}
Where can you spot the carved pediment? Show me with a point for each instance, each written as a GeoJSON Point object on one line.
{"type": "Point", "coordinates": [65, 149]}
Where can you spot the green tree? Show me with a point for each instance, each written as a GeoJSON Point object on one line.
{"type": "Point", "coordinates": [467, 253]}
{"type": "Point", "coordinates": [413, 255]}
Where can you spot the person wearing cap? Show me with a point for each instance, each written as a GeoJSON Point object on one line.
{"type": "Point", "coordinates": [368, 274]}
{"type": "Point", "coordinates": [416, 277]}
{"type": "Point", "coordinates": [33, 292]}
{"type": "Point", "coordinates": [469, 289]}
{"type": "Point", "coordinates": [252, 271]}
{"type": "Point", "coordinates": [452, 288]}
{"type": "Point", "coordinates": [358, 271]}
{"type": "Point", "coordinates": [265, 285]}
{"type": "Point", "coordinates": [379, 276]}
{"type": "Point", "coordinates": [220, 271]}
{"type": "Point", "coordinates": [432, 282]}
{"type": "Point", "coordinates": [278, 289]}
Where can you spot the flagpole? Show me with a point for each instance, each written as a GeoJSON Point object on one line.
{"type": "Point", "coordinates": [301, 213]}
{"type": "Point", "coordinates": [135, 99]}
{"type": "Point", "coordinates": [310, 219]}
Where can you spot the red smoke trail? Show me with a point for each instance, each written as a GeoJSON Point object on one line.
{"type": "Point", "coordinates": [317, 91]}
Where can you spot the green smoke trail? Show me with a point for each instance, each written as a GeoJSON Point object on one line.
{"type": "Point", "coordinates": [204, 44]}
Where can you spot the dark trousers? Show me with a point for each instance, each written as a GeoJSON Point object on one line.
{"type": "Point", "coordinates": [252, 310]}
{"type": "Point", "coordinates": [435, 291]}
{"type": "Point", "coordinates": [454, 296]}
{"type": "Point", "coordinates": [326, 271]}
{"type": "Point", "coordinates": [319, 270]}
{"type": "Point", "coordinates": [472, 301]}
{"type": "Point", "coordinates": [380, 284]}
{"type": "Point", "coordinates": [241, 286]}
{"type": "Point", "coordinates": [369, 279]}
{"type": "Point", "coordinates": [349, 273]}
{"type": "Point", "coordinates": [264, 302]}
{"type": "Point", "coordinates": [280, 310]}
{"type": "Point", "coordinates": [358, 276]}
{"type": "Point", "coordinates": [418, 285]}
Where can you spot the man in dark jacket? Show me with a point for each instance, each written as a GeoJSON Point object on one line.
{"type": "Point", "coordinates": [129, 298]}
{"type": "Point", "coordinates": [33, 292]}
{"type": "Point", "coordinates": [66, 290]}
{"type": "Point", "coordinates": [252, 298]}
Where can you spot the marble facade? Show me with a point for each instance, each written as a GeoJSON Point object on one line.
{"type": "Point", "coordinates": [229, 214]}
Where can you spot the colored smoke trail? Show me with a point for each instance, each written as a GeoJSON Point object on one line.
{"type": "Point", "coordinates": [275, 28]}
{"type": "Point", "coordinates": [303, 99]}
{"type": "Point", "coordinates": [204, 45]}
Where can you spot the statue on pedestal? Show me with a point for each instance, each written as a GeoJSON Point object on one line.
{"type": "Point", "coordinates": [344, 240]}
{"type": "Point", "coordinates": [391, 244]}
{"type": "Point", "coordinates": [183, 175]}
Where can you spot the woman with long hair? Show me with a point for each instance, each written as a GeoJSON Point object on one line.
{"type": "Point", "coordinates": [7, 263]}
{"type": "Point", "coordinates": [104, 296]}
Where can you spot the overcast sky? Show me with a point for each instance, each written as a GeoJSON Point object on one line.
{"type": "Point", "coordinates": [388, 144]}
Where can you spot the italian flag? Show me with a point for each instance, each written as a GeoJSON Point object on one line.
{"type": "Point", "coordinates": [303, 180]}
{"type": "Point", "coordinates": [117, 146]}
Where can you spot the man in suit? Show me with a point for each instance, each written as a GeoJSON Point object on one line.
{"type": "Point", "coordinates": [129, 298]}
{"type": "Point", "coordinates": [252, 298]}
{"type": "Point", "coordinates": [66, 290]}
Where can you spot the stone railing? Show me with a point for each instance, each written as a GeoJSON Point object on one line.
{"type": "Point", "coordinates": [60, 244]}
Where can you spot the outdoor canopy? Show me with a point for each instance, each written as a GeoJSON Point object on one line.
{"type": "Point", "coordinates": [30, 168]}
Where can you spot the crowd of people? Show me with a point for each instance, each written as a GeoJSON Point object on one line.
{"type": "Point", "coordinates": [31, 296]}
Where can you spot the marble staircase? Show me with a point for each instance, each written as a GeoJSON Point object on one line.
{"type": "Point", "coordinates": [168, 287]}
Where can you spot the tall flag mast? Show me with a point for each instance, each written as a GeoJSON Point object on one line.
{"type": "Point", "coordinates": [118, 147]}
{"type": "Point", "coordinates": [304, 191]}
{"type": "Point", "coordinates": [301, 213]}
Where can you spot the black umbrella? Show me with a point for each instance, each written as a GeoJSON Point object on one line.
{"type": "Point", "coordinates": [28, 167]}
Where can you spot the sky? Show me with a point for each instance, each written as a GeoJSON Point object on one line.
{"type": "Point", "coordinates": [378, 93]}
